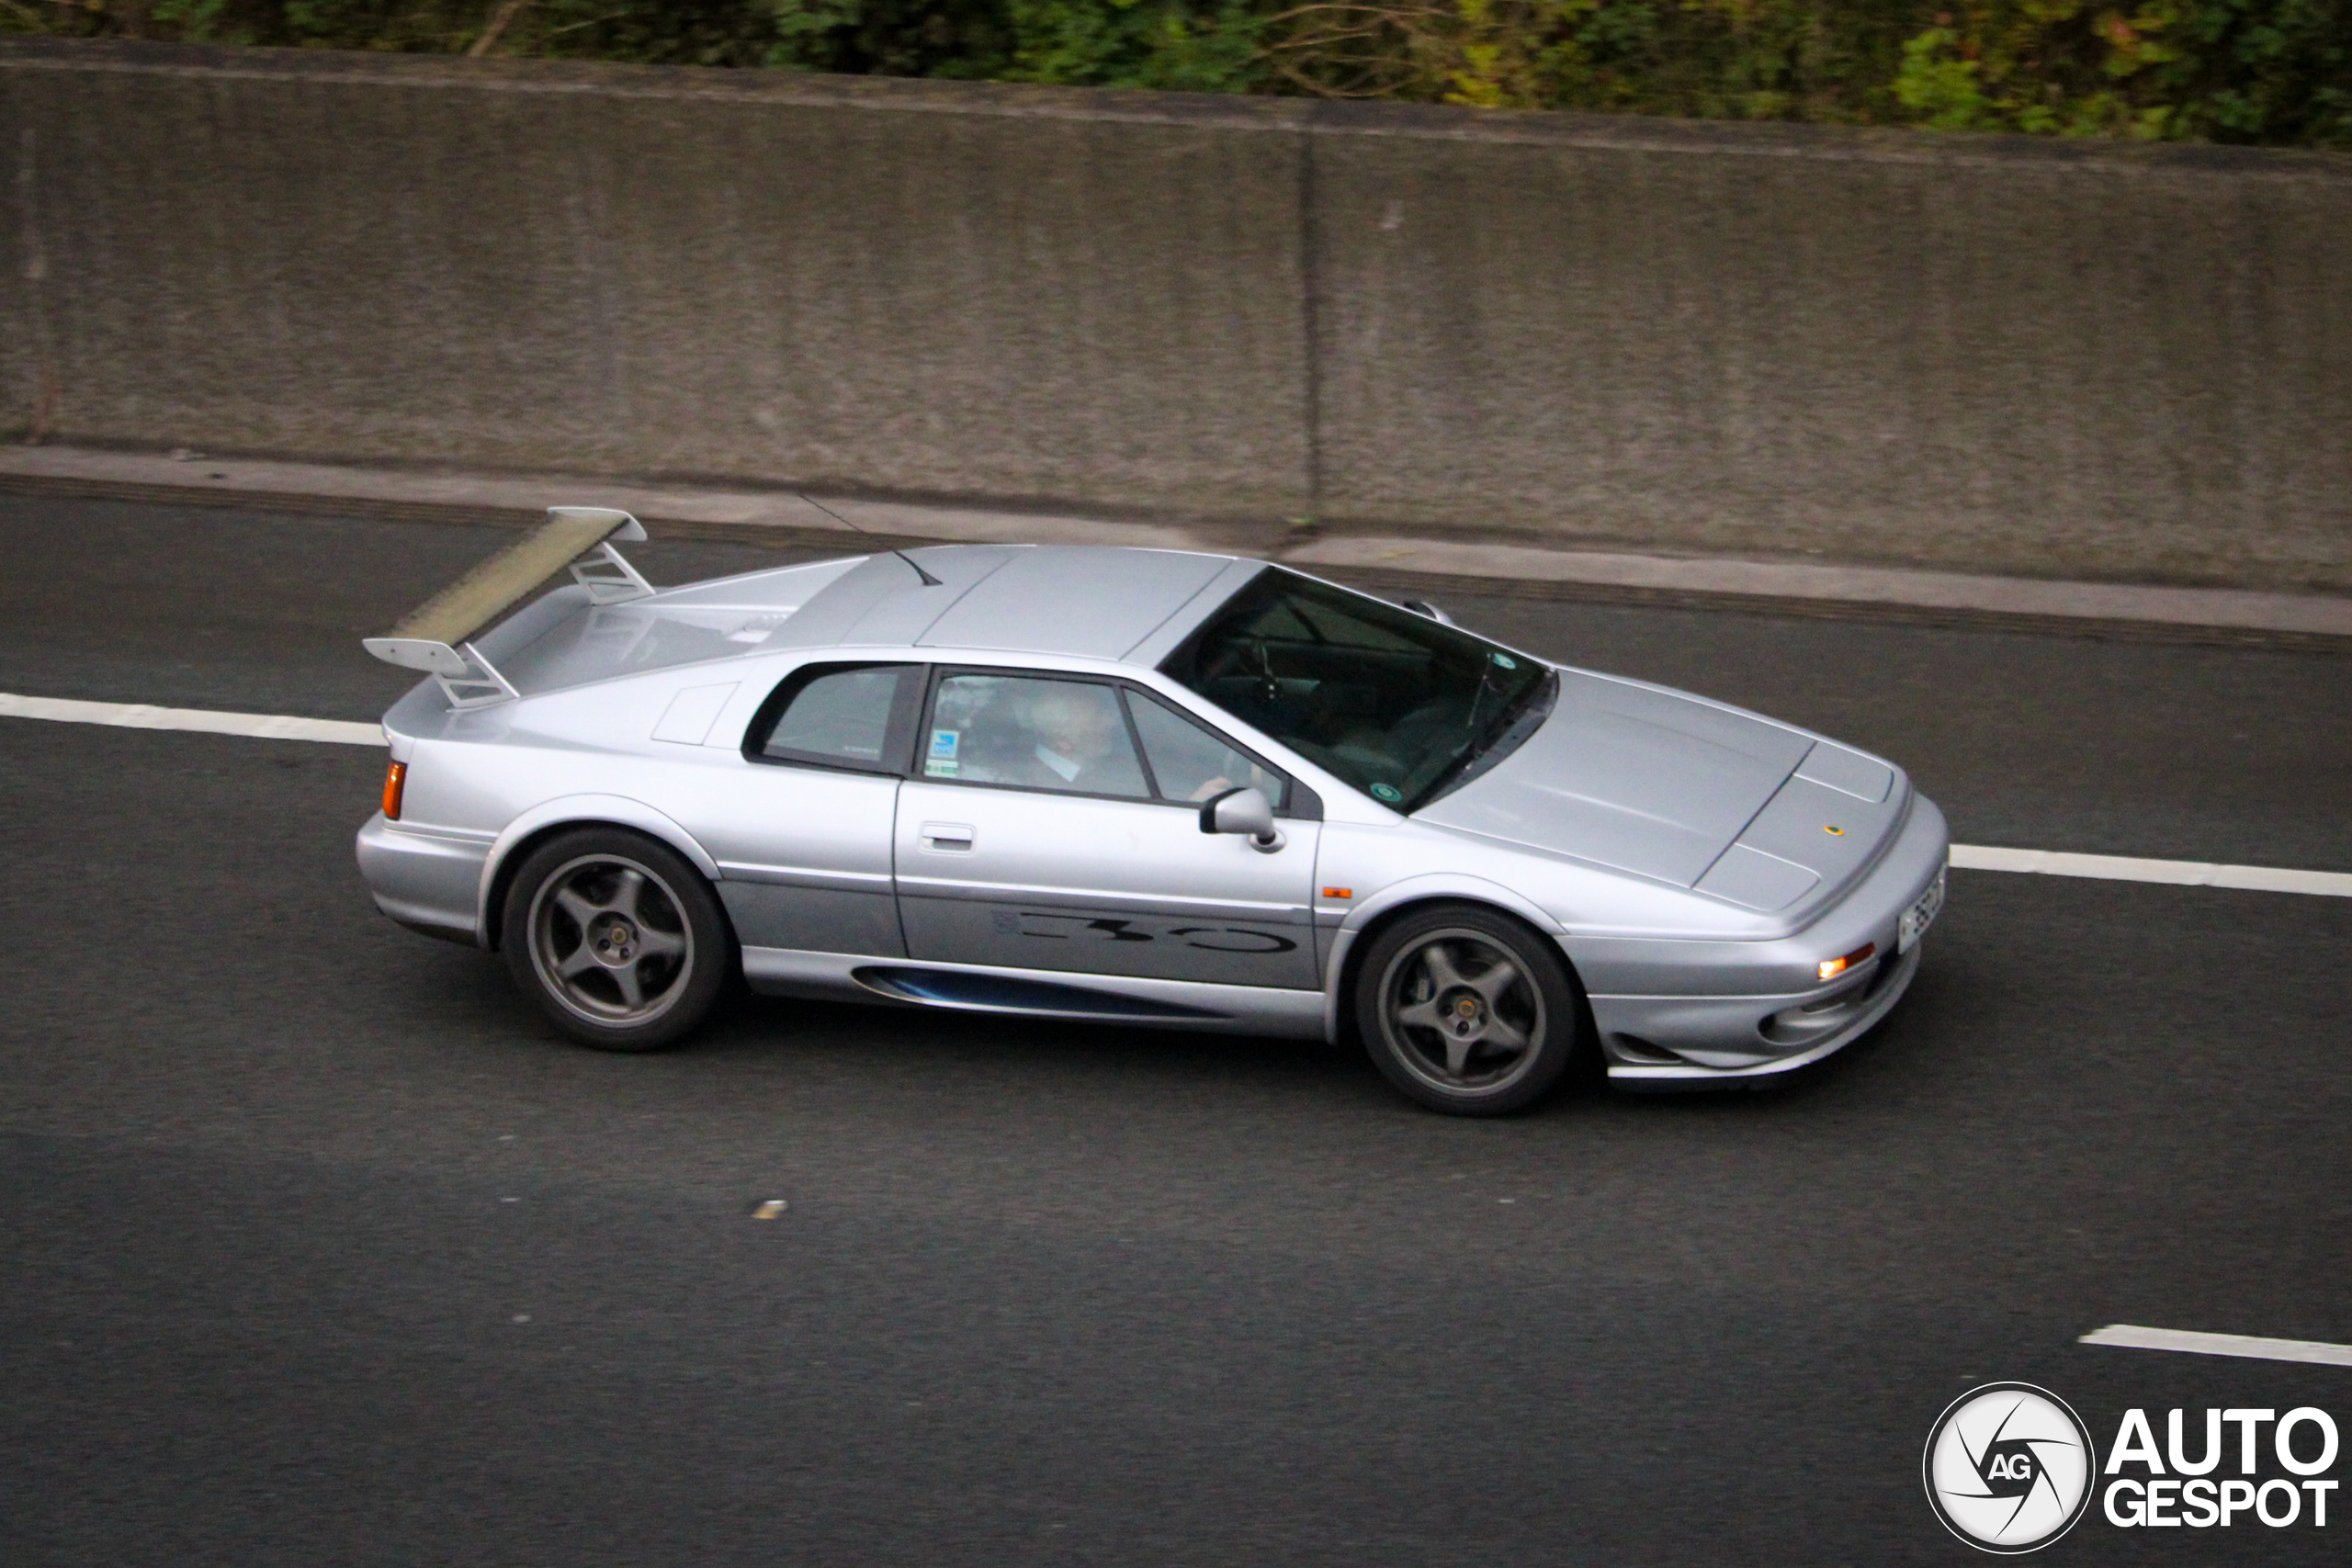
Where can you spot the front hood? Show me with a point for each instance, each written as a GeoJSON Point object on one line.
{"type": "Point", "coordinates": [1629, 776]}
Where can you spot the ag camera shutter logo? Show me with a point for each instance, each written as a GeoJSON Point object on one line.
{"type": "Point", "coordinates": [2008, 1468]}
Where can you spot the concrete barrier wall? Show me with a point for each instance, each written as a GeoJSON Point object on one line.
{"type": "Point", "coordinates": [926, 288]}
{"type": "Point", "coordinates": [1990, 353]}
{"type": "Point", "coordinates": [1971, 352]}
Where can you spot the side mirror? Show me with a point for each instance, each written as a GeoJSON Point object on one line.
{"type": "Point", "coordinates": [1243, 811]}
{"type": "Point", "coordinates": [1423, 607]}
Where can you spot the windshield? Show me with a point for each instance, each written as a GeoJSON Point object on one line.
{"type": "Point", "coordinates": [1396, 703]}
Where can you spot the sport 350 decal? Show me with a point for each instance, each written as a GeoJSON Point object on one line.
{"type": "Point", "coordinates": [1210, 937]}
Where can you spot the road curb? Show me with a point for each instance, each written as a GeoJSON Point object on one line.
{"type": "Point", "coordinates": [780, 519]}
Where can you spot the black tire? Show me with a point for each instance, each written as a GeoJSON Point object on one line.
{"type": "Point", "coordinates": [1448, 1026]}
{"type": "Point", "coordinates": [635, 956]}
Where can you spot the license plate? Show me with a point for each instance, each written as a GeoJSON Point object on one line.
{"type": "Point", "coordinates": [1920, 915]}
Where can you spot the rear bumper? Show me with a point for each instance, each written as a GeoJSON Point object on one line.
{"type": "Point", "coordinates": [428, 881]}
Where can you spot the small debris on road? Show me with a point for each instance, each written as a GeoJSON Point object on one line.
{"type": "Point", "coordinates": [772, 1209]}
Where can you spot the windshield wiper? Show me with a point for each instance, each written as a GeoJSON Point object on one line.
{"type": "Point", "coordinates": [1520, 719]}
{"type": "Point", "coordinates": [1478, 698]}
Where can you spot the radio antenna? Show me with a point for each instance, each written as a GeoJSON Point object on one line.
{"type": "Point", "coordinates": [928, 580]}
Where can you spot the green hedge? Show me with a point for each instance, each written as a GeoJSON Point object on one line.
{"type": "Point", "coordinates": [2278, 72]}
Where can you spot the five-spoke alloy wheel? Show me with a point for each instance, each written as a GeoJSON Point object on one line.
{"type": "Point", "coordinates": [1467, 1010]}
{"type": "Point", "coordinates": [619, 939]}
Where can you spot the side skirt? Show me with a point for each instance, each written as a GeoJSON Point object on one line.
{"type": "Point", "coordinates": [1035, 993]}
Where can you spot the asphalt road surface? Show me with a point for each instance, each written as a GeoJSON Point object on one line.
{"type": "Point", "coordinates": [316, 1248]}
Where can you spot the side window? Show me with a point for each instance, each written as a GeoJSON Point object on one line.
{"type": "Point", "coordinates": [1189, 763]}
{"type": "Point", "coordinates": [1036, 733]}
{"type": "Point", "coordinates": [840, 716]}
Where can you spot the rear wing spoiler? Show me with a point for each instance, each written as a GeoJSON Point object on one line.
{"type": "Point", "coordinates": [436, 636]}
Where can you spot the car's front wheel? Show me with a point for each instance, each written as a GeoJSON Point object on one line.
{"type": "Point", "coordinates": [1467, 1011]}
{"type": "Point", "coordinates": [620, 941]}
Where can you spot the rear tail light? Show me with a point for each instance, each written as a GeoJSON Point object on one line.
{"type": "Point", "coordinates": [395, 779]}
{"type": "Point", "coordinates": [1832, 967]}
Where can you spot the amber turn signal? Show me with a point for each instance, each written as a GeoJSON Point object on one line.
{"type": "Point", "coordinates": [1832, 967]}
{"type": "Point", "coordinates": [395, 777]}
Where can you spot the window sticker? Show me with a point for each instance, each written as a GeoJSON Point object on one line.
{"type": "Point", "coordinates": [941, 767]}
{"type": "Point", "coordinates": [1388, 791]}
{"type": "Point", "coordinates": [943, 742]}
{"type": "Point", "coordinates": [1505, 659]}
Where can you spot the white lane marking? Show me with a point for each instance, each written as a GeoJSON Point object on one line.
{"type": "Point", "coordinates": [2135, 1338]}
{"type": "Point", "coordinates": [1968, 857]}
{"type": "Point", "coordinates": [140, 715]}
{"type": "Point", "coordinates": [2127, 868]}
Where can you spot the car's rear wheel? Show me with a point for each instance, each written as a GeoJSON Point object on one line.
{"type": "Point", "coordinates": [1467, 1011]}
{"type": "Point", "coordinates": [620, 941]}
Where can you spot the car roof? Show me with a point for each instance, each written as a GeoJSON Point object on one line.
{"type": "Point", "coordinates": [1097, 602]}
{"type": "Point", "coordinates": [1083, 600]}
{"type": "Point", "coordinates": [1094, 604]}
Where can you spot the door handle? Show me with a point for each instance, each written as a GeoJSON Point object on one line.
{"type": "Point", "coordinates": [947, 838]}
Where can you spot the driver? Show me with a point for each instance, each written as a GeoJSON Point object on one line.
{"type": "Point", "coordinates": [1082, 744]}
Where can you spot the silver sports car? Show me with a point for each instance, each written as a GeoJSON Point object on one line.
{"type": "Point", "coordinates": [1131, 785]}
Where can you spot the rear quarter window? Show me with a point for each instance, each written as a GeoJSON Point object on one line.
{"type": "Point", "coordinates": [859, 716]}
